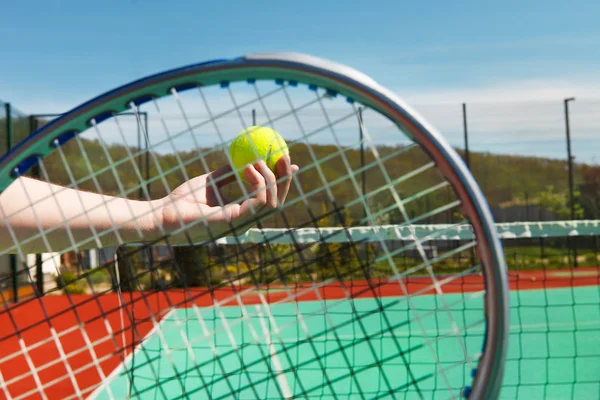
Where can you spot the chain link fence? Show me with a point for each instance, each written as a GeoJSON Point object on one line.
{"type": "Point", "coordinates": [517, 151]}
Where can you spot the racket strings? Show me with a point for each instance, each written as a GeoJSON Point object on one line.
{"type": "Point", "coordinates": [332, 199]}
{"type": "Point", "coordinates": [127, 192]}
{"type": "Point", "coordinates": [46, 315]}
{"type": "Point", "coordinates": [212, 333]}
{"type": "Point", "coordinates": [350, 173]}
{"type": "Point", "coordinates": [419, 246]}
{"type": "Point", "coordinates": [325, 183]}
{"type": "Point", "coordinates": [282, 387]}
{"type": "Point", "coordinates": [184, 227]}
{"type": "Point", "coordinates": [426, 260]}
{"type": "Point", "coordinates": [70, 373]}
{"type": "Point", "coordinates": [359, 196]}
{"type": "Point", "coordinates": [74, 245]}
{"type": "Point", "coordinates": [264, 313]}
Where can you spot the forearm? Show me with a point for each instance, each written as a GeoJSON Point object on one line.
{"type": "Point", "coordinates": [70, 218]}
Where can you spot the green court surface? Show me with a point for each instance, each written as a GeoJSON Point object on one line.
{"type": "Point", "coordinates": [554, 351]}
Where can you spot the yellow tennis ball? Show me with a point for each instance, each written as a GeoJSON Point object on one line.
{"type": "Point", "coordinates": [257, 143]}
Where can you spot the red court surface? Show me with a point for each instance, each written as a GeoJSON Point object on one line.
{"type": "Point", "coordinates": [35, 319]}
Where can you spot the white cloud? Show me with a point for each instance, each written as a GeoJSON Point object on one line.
{"type": "Point", "coordinates": [518, 117]}
{"type": "Point", "coordinates": [515, 91]}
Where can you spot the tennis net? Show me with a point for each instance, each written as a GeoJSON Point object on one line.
{"type": "Point", "coordinates": [149, 330]}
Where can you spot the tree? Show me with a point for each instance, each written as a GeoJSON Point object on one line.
{"type": "Point", "coordinates": [558, 202]}
{"type": "Point", "coordinates": [590, 191]}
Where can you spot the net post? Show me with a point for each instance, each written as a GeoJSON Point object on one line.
{"type": "Point", "coordinates": [124, 267]}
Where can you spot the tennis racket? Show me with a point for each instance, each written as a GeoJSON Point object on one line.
{"type": "Point", "coordinates": [156, 271]}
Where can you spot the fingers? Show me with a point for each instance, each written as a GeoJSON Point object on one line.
{"type": "Point", "coordinates": [268, 188]}
{"type": "Point", "coordinates": [215, 181]}
{"type": "Point", "coordinates": [271, 182]}
{"type": "Point", "coordinates": [267, 192]}
{"type": "Point", "coordinates": [222, 176]}
{"type": "Point", "coordinates": [284, 172]}
{"type": "Point", "coordinates": [259, 187]}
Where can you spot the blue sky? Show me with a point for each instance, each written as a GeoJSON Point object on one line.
{"type": "Point", "coordinates": [56, 54]}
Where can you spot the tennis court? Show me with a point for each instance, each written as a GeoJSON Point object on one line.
{"type": "Point", "coordinates": [261, 350]}
{"type": "Point", "coordinates": [378, 290]}
{"type": "Point", "coordinates": [543, 347]}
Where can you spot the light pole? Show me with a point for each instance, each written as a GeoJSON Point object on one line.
{"type": "Point", "coordinates": [466, 134]}
{"type": "Point", "coordinates": [570, 166]}
{"type": "Point", "coordinates": [363, 180]}
{"type": "Point", "coordinates": [362, 153]}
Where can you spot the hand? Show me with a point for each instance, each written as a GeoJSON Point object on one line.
{"type": "Point", "coordinates": [200, 202]}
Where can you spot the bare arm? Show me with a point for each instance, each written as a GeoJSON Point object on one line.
{"type": "Point", "coordinates": [70, 218]}
{"type": "Point", "coordinates": [29, 207]}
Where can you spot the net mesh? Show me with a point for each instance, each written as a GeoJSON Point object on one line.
{"type": "Point", "coordinates": [371, 287]}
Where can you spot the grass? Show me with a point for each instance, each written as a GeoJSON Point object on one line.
{"type": "Point", "coordinates": [333, 261]}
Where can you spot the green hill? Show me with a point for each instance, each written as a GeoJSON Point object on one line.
{"type": "Point", "coordinates": [504, 179]}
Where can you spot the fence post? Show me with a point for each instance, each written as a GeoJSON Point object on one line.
{"type": "Point", "coordinates": [35, 172]}
{"type": "Point", "coordinates": [139, 157]}
{"type": "Point", "coordinates": [12, 257]}
{"type": "Point", "coordinates": [147, 155]}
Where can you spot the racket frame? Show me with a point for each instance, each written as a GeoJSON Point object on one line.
{"type": "Point", "coordinates": [337, 79]}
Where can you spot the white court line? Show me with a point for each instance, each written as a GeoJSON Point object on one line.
{"type": "Point", "coordinates": [4, 387]}
{"type": "Point", "coordinates": [556, 324]}
{"type": "Point", "coordinates": [137, 348]}
{"type": "Point", "coordinates": [283, 383]}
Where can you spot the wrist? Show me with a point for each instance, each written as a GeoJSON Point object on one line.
{"type": "Point", "coordinates": [145, 225]}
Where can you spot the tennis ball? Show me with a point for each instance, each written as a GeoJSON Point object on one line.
{"type": "Point", "coordinates": [257, 143]}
